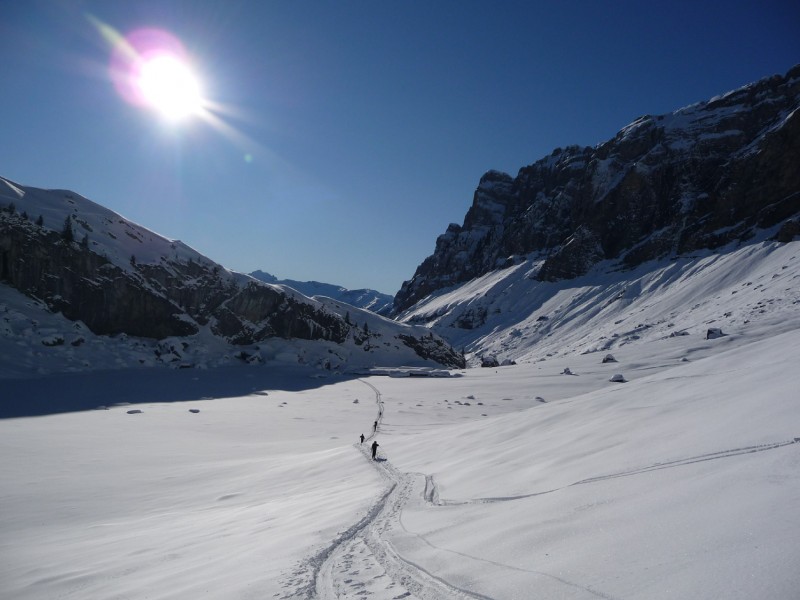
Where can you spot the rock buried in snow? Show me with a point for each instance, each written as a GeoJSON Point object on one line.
{"type": "Point", "coordinates": [618, 378]}
{"type": "Point", "coordinates": [566, 371]}
{"type": "Point", "coordinates": [609, 358]}
{"type": "Point", "coordinates": [194, 410]}
{"type": "Point", "coordinates": [714, 333]}
{"type": "Point", "coordinates": [135, 411]}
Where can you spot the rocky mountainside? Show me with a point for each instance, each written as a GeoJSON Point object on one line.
{"type": "Point", "coordinates": [110, 277]}
{"type": "Point", "coordinates": [702, 177]}
{"type": "Point", "coordinates": [362, 298]}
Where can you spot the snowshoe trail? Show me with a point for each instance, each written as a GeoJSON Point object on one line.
{"type": "Point", "coordinates": [364, 561]}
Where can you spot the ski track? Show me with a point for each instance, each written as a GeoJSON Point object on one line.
{"type": "Point", "coordinates": [362, 561]}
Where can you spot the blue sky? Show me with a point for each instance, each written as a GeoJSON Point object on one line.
{"type": "Point", "coordinates": [355, 131]}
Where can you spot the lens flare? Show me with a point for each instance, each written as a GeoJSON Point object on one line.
{"type": "Point", "coordinates": [151, 68]}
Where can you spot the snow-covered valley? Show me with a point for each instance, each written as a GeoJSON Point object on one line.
{"type": "Point", "coordinates": [512, 482]}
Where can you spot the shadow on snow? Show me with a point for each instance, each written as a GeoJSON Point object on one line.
{"type": "Point", "coordinates": [72, 392]}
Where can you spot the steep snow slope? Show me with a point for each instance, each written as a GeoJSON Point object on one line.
{"type": "Point", "coordinates": [102, 292]}
{"type": "Point", "coordinates": [509, 314]}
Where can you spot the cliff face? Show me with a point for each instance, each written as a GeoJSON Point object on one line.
{"type": "Point", "coordinates": [701, 177]}
{"type": "Point", "coordinates": [151, 300]}
{"type": "Point", "coordinates": [93, 266]}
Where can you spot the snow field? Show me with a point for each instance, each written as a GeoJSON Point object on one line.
{"type": "Point", "coordinates": [675, 485]}
{"type": "Point", "coordinates": [170, 504]}
{"type": "Point", "coordinates": [515, 482]}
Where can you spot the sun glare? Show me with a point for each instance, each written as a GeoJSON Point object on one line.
{"type": "Point", "coordinates": [150, 68]}
{"type": "Point", "coordinates": [168, 85]}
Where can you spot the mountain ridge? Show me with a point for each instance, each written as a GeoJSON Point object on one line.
{"type": "Point", "coordinates": [366, 298]}
{"type": "Point", "coordinates": [98, 279]}
{"type": "Point", "coordinates": [701, 177]}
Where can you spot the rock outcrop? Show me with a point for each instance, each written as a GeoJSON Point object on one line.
{"type": "Point", "coordinates": [701, 177]}
{"type": "Point", "coordinates": [93, 266]}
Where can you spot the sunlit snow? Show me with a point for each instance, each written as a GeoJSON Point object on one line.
{"type": "Point", "coordinates": [512, 482]}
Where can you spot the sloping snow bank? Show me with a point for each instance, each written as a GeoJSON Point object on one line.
{"type": "Point", "coordinates": [679, 484]}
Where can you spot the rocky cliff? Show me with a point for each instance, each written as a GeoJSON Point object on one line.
{"type": "Point", "coordinates": [701, 177]}
{"type": "Point", "coordinates": [94, 267]}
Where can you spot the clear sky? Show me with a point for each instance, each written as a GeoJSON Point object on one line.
{"type": "Point", "coordinates": [339, 139]}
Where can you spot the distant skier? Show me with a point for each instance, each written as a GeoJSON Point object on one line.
{"type": "Point", "coordinates": [362, 438]}
{"type": "Point", "coordinates": [374, 450]}
{"type": "Point", "coordinates": [375, 426]}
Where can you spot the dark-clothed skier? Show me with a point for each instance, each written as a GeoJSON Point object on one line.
{"type": "Point", "coordinates": [374, 449]}
{"type": "Point", "coordinates": [362, 438]}
{"type": "Point", "coordinates": [375, 426]}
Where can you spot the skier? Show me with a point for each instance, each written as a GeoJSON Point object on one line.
{"type": "Point", "coordinates": [362, 438]}
{"type": "Point", "coordinates": [374, 450]}
{"type": "Point", "coordinates": [375, 426]}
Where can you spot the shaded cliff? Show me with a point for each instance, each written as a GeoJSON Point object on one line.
{"type": "Point", "coordinates": [114, 277]}
{"type": "Point", "coordinates": [701, 177]}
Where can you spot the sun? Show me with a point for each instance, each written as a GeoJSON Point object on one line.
{"type": "Point", "coordinates": [150, 68]}
{"type": "Point", "coordinates": [169, 86]}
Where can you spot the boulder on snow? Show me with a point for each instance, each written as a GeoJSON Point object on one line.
{"type": "Point", "coordinates": [135, 411]}
{"type": "Point", "coordinates": [609, 358]}
{"type": "Point", "coordinates": [567, 371]}
{"type": "Point", "coordinates": [507, 362]}
{"type": "Point", "coordinates": [714, 333]}
{"type": "Point", "coordinates": [489, 361]}
{"type": "Point", "coordinates": [53, 340]}
{"type": "Point", "coordinates": [788, 231]}
{"type": "Point", "coordinates": [618, 378]}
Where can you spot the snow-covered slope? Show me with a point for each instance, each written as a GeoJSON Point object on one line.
{"type": "Point", "coordinates": [83, 288]}
{"type": "Point", "coordinates": [514, 483]}
{"type": "Point", "coordinates": [107, 232]}
{"type": "Point", "coordinates": [510, 314]}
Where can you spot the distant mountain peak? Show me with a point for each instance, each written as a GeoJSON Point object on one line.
{"type": "Point", "coordinates": [368, 299]}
